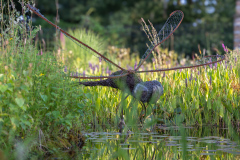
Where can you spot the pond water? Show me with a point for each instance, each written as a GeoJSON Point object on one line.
{"type": "Point", "coordinates": [163, 143]}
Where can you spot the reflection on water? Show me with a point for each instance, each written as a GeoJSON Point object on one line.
{"type": "Point", "coordinates": [164, 142]}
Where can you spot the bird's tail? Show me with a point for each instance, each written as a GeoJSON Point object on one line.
{"type": "Point", "coordinates": [107, 82]}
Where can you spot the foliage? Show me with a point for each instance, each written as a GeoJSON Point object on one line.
{"type": "Point", "coordinates": [43, 112]}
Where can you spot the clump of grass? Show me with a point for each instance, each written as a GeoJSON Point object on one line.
{"type": "Point", "coordinates": [75, 56]}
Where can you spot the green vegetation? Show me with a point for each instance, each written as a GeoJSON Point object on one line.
{"type": "Point", "coordinates": [44, 113]}
{"type": "Point", "coordinates": [80, 55]}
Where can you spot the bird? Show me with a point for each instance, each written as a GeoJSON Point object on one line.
{"type": "Point", "coordinates": [129, 80]}
{"type": "Point", "coordinates": [146, 92]}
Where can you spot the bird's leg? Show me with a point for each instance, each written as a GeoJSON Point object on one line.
{"type": "Point", "coordinates": [121, 123]}
{"type": "Point", "coordinates": [146, 108]}
{"type": "Point", "coordinates": [142, 114]}
{"type": "Point", "coordinates": [143, 107]}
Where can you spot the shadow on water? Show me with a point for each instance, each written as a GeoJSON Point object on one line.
{"type": "Point", "coordinates": [162, 143]}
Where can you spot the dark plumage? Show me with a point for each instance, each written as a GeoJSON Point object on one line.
{"type": "Point", "coordinates": [149, 91]}
{"type": "Point", "coordinates": [120, 83]}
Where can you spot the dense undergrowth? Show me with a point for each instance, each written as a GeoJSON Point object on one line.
{"type": "Point", "coordinates": [43, 111]}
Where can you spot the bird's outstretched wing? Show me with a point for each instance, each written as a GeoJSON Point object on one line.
{"type": "Point", "coordinates": [170, 26]}
{"type": "Point", "coordinates": [75, 40]}
{"type": "Point", "coordinates": [204, 61]}
{"type": "Point", "coordinates": [167, 30]}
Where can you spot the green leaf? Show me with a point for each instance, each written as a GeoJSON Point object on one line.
{"type": "Point", "coordinates": [15, 122]}
{"type": "Point", "coordinates": [1, 77]}
{"type": "Point", "coordinates": [12, 107]}
{"type": "Point", "coordinates": [44, 97]}
{"type": "Point", "coordinates": [88, 95]}
{"type": "Point", "coordinates": [56, 114]}
{"type": "Point", "coordinates": [19, 101]}
{"type": "Point", "coordinates": [230, 93]}
{"type": "Point", "coordinates": [54, 94]}
{"type": "Point", "coordinates": [98, 104]}
{"type": "Point", "coordinates": [3, 88]}
{"type": "Point", "coordinates": [209, 106]}
{"type": "Point", "coordinates": [25, 73]}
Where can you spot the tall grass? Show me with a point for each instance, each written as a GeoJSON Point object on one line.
{"type": "Point", "coordinates": [78, 56]}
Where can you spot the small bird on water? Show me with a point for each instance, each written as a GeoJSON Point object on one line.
{"type": "Point", "coordinates": [149, 91]}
